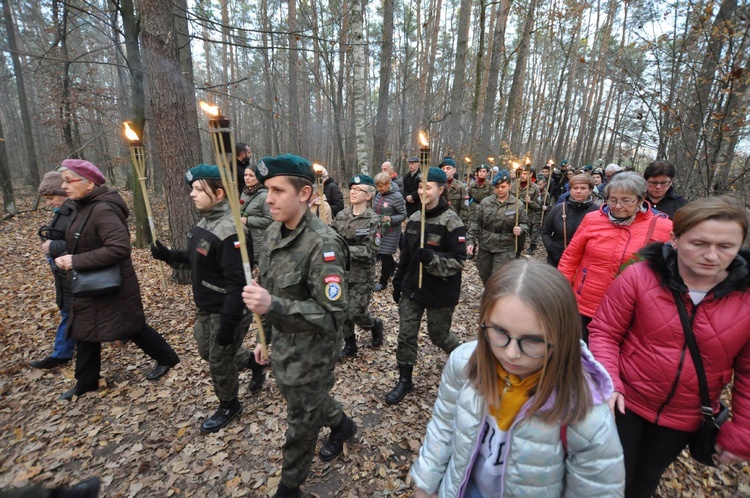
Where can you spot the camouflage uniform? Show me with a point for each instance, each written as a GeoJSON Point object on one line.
{"type": "Point", "coordinates": [359, 233]}
{"type": "Point", "coordinates": [477, 193]}
{"type": "Point", "coordinates": [305, 273]}
{"type": "Point", "coordinates": [533, 209]}
{"type": "Point", "coordinates": [441, 281]}
{"type": "Point", "coordinates": [458, 195]}
{"type": "Point", "coordinates": [491, 233]}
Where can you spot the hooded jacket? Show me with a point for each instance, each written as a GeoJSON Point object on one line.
{"type": "Point", "coordinates": [334, 196]}
{"type": "Point", "coordinates": [638, 337]}
{"type": "Point", "coordinates": [600, 250]}
{"type": "Point", "coordinates": [536, 464]}
{"type": "Point", "coordinates": [104, 241]}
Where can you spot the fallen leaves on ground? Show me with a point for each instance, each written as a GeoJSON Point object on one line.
{"type": "Point", "coordinates": [142, 438]}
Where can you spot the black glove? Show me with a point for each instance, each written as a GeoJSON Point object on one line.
{"type": "Point", "coordinates": [396, 295]}
{"type": "Point", "coordinates": [159, 251]}
{"type": "Point", "coordinates": [424, 255]}
{"type": "Point", "coordinates": [225, 337]}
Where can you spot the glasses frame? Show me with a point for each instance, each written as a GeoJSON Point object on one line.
{"type": "Point", "coordinates": [621, 202]}
{"type": "Point", "coordinates": [74, 180]}
{"type": "Point", "coordinates": [519, 342]}
{"type": "Point", "coordinates": [357, 190]}
{"type": "Point", "coordinates": [663, 184]}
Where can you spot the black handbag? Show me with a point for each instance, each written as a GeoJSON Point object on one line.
{"type": "Point", "coordinates": [96, 282]}
{"type": "Point", "coordinates": [703, 445]}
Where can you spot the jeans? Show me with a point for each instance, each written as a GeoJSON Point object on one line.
{"type": "Point", "coordinates": [64, 348]}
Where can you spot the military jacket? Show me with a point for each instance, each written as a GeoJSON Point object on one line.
{"type": "Point", "coordinates": [258, 214]}
{"type": "Point", "coordinates": [534, 208]}
{"type": "Point", "coordinates": [478, 193]}
{"type": "Point", "coordinates": [361, 235]}
{"type": "Point", "coordinates": [458, 195]}
{"type": "Point", "coordinates": [492, 225]}
{"type": "Point", "coordinates": [306, 274]}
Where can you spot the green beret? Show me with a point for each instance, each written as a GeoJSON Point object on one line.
{"type": "Point", "coordinates": [484, 167]}
{"type": "Point", "coordinates": [362, 180]}
{"type": "Point", "coordinates": [202, 172]}
{"type": "Point", "coordinates": [284, 165]}
{"type": "Point", "coordinates": [437, 175]}
{"type": "Point", "coordinates": [448, 161]}
{"type": "Point", "coordinates": [502, 176]}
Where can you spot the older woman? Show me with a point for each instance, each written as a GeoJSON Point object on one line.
{"type": "Point", "coordinates": [661, 194]}
{"type": "Point", "coordinates": [493, 231]}
{"type": "Point", "coordinates": [256, 214]}
{"type": "Point", "coordinates": [638, 336]}
{"type": "Point", "coordinates": [563, 219]}
{"type": "Point", "coordinates": [97, 238]}
{"type": "Point", "coordinates": [389, 205]}
{"type": "Point", "coordinates": [609, 239]}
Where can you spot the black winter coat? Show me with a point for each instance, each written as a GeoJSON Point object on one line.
{"type": "Point", "coordinates": [552, 230]}
{"type": "Point", "coordinates": [334, 197]}
{"type": "Point", "coordinates": [411, 187]}
{"type": "Point", "coordinates": [55, 233]}
{"type": "Point", "coordinates": [669, 204]}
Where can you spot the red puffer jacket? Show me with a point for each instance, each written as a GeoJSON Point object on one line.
{"type": "Point", "coordinates": [637, 335]}
{"type": "Point", "coordinates": [599, 249]}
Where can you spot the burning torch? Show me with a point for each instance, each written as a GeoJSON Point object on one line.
{"type": "Point", "coordinates": [424, 166]}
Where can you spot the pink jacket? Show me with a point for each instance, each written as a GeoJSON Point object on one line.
{"type": "Point", "coordinates": [599, 249]}
{"type": "Point", "coordinates": [637, 335]}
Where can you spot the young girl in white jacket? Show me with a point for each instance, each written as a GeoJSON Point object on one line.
{"type": "Point", "coordinates": [522, 411]}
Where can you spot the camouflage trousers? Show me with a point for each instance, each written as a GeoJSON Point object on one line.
{"type": "Point", "coordinates": [535, 230]}
{"type": "Point", "coordinates": [488, 262]}
{"type": "Point", "coordinates": [309, 407]}
{"type": "Point", "coordinates": [358, 312]}
{"type": "Point", "coordinates": [225, 362]}
{"type": "Point", "coordinates": [438, 328]}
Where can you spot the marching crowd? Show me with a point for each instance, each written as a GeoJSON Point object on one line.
{"type": "Point", "coordinates": [589, 373]}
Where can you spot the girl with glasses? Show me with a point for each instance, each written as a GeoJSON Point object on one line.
{"type": "Point", "coordinates": [524, 404]}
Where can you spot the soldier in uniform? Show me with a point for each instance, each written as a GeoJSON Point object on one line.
{"type": "Point", "coordinates": [480, 189]}
{"type": "Point", "coordinates": [221, 321]}
{"type": "Point", "coordinates": [529, 201]}
{"type": "Point", "coordinates": [493, 229]}
{"type": "Point", "coordinates": [303, 294]}
{"type": "Point", "coordinates": [359, 227]}
{"type": "Point", "coordinates": [442, 261]}
{"type": "Point", "coordinates": [458, 194]}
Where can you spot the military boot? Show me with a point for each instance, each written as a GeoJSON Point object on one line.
{"type": "Point", "coordinates": [377, 333]}
{"type": "Point", "coordinates": [284, 491]}
{"type": "Point", "coordinates": [335, 444]}
{"type": "Point", "coordinates": [403, 386]}
{"type": "Point", "coordinates": [221, 418]}
{"type": "Point", "coordinates": [86, 489]}
{"type": "Point", "coordinates": [531, 249]}
{"type": "Point", "coordinates": [258, 378]}
{"type": "Point", "coordinates": [350, 346]}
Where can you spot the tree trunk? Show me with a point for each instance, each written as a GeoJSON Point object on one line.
{"type": "Point", "coordinates": [512, 129]}
{"type": "Point", "coordinates": [386, 54]}
{"type": "Point", "coordinates": [188, 82]}
{"type": "Point", "coordinates": [170, 115]}
{"type": "Point", "coordinates": [9, 199]}
{"type": "Point", "coordinates": [294, 139]}
{"type": "Point", "coordinates": [33, 169]}
{"type": "Point", "coordinates": [459, 78]}
{"type": "Point", "coordinates": [358, 87]}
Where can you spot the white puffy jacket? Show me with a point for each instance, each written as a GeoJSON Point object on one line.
{"type": "Point", "coordinates": [536, 464]}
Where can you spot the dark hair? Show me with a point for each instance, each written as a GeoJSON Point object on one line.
{"type": "Point", "coordinates": [211, 185]}
{"type": "Point", "coordinates": [659, 168]}
{"type": "Point", "coordinates": [240, 147]}
{"type": "Point", "coordinates": [719, 208]}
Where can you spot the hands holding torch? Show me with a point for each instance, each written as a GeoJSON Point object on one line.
{"type": "Point", "coordinates": [424, 167]}
{"type": "Point", "coordinates": [138, 156]}
{"type": "Point", "coordinates": [223, 144]}
{"type": "Point", "coordinates": [516, 168]}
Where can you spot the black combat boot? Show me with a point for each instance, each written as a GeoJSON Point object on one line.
{"type": "Point", "coordinates": [77, 390]}
{"type": "Point", "coordinates": [86, 489]}
{"type": "Point", "coordinates": [284, 491]}
{"type": "Point", "coordinates": [350, 347]}
{"type": "Point", "coordinates": [531, 249]}
{"type": "Point", "coordinates": [403, 386]}
{"type": "Point", "coordinates": [221, 418]}
{"type": "Point", "coordinates": [259, 376]}
{"type": "Point", "coordinates": [335, 444]}
{"type": "Point", "coordinates": [377, 333]}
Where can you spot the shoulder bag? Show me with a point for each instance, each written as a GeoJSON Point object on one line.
{"type": "Point", "coordinates": [94, 282]}
{"type": "Point", "coordinates": [703, 445]}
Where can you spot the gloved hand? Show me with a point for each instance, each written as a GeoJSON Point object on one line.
{"type": "Point", "coordinates": [225, 337]}
{"type": "Point", "coordinates": [424, 255]}
{"type": "Point", "coordinates": [396, 295]}
{"type": "Point", "coordinates": [161, 252]}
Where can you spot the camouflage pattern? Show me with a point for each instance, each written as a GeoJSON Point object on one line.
{"type": "Point", "coordinates": [491, 233]}
{"type": "Point", "coordinates": [439, 322]}
{"type": "Point", "coordinates": [359, 233]}
{"type": "Point", "coordinates": [258, 216]}
{"type": "Point", "coordinates": [458, 195]}
{"type": "Point", "coordinates": [478, 193]}
{"type": "Point", "coordinates": [306, 275]}
{"type": "Point", "coordinates": [309, 407]}
{"type": "Point", "coordinates": [533, 209]}
{"type": "Point", "coordinates": [224, 361]}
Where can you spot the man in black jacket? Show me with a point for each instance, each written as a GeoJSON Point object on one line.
{"type": "Point", "coordinates": [333, 194]}
{"type": "Point", "coordinates": [411, 186]}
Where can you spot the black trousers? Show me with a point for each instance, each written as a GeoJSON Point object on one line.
{"type": "Point", "coordinates": [648, 449]}
{"type": "Point", "coordinates": [389, 266]}
{"type": "Point", "coordinates": [585, 321]}
{"type": "Point", "coordinates": [89, 357]}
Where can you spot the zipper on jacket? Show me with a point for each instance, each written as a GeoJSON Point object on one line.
{"type": "Point", "coordinates": [583, 279]}
{"type": "Point", "coordinates": [679, 372]}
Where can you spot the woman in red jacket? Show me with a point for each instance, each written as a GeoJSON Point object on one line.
{"type": "Point", "coordinates": [608, 240]}
{"type": "Point", "coordinates": [638, 336]}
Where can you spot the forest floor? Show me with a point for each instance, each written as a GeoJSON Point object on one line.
{"type": "Point", "coordinates": [142, 438]}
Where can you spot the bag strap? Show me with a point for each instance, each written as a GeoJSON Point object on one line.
{"type": "Point", "coordinates": [687, 327]}
{"type": "Point", "coordinates": [80, 228]}
{"type": "Point", "coordinates": [565, 226]}
{"type": "Point", "coordinates": [564, 438]}
{"type": "Point", "coordinates": [651, 231]}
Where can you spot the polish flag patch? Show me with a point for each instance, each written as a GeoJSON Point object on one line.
{"type": "Point", "coordinates": [461, 239]}
{"type": "Point", "coordinates": [329, 256]}
{"type": "Point", "coordinates": [237, 244]}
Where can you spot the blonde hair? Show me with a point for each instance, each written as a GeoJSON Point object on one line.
{"type": "Point", "coordinates": [719, 208]}
{"type": "Point", "coordinates": [382, 177]}
{"type": "Point", "coordinates": [543, 289]}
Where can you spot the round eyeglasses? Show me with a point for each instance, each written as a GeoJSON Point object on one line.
{"type": "Point", "coordinates": [533, 347]}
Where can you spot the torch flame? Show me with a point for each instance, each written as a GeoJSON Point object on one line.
{"type": "Point", "coordinates": [319, 169]}
{"type": "Point", "coordinates": [516, 165]}
{"type": "Point", "coordinates": [423, 139]}
{"type": "Point", "coordinates": [467, 159]}
{"type": "Point", "coordinates": [210, 109]}
{"type": "Point", "coordinates": [528, 161]}
{"type": "Point", "coordinates": [130, 134]}
{"type": "Point", "coordinates": [491, 159]}
{"type": "Point", "coordinates": [550, 162]}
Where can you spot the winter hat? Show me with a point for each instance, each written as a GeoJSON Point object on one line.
{"type": "Point", "coordinates": [413, 159]}
{"type": "Point", "coordinates": [51, 184]}
{"type": "Point", "coordinates": [202, 172]}
{"type": "Point", "coordinates": [285, 165]}
{"type": "Point", "coordinates": [437, 175]}
{"type": "Point", "coordinates": [84, 169]}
